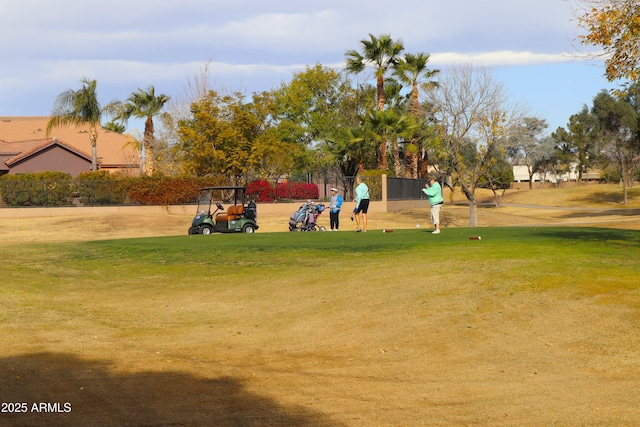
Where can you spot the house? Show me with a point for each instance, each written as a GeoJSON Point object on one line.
{"type": "Point", "coordinates": [25, 147]}
{"type": "Point", "coordinates": [521, 174]}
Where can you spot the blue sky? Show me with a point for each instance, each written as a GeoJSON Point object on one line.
{"type": "Point", "coordinates": [254, 45]}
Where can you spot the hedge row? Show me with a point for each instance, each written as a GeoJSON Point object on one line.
{"type": "Point", "coordinates": [102, 189]}
{"type": "Point", "coordinates": [263, 191]}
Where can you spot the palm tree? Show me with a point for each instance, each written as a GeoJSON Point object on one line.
{"type": "Point", "coordinates": [380, 53]}
{"type": "Point", "coordinates": [80, 107]}
{"type": "Point", "coordinates": [391, 126]}
{"type": "Point", "coordinates": [412, 71]}
{"type": "Point", "coordinates": [145, 105]}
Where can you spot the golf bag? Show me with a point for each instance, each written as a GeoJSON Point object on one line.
{"type": "Point", "coordinates": [305, 218]}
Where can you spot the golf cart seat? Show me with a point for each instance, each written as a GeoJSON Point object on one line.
{"type": "Point", "coordinates": [233, 212]}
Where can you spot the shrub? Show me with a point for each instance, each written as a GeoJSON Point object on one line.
{"type": "Point", "coordinates": [263, 191]}
{"type": "Point", "coordinates": [100, 188]}
{"type": "Point", "coordinates": [260, 191]}
{"type": "Point", "coordinates": [47, 189]}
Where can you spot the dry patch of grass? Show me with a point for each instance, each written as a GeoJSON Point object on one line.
{"type": "Point", "coordinates": [318, 329]}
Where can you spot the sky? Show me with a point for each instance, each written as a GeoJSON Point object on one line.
{"type": "Point", "coordinates": [529, 46]}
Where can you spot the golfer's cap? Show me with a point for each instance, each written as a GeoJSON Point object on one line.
{"type": "Point", "coordinates": [334, 189]}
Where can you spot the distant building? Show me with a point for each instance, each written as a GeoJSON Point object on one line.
{"type": "Point", "coordinates": [25, 147]}
{"type": "Point", "coordinates": [521, 174]}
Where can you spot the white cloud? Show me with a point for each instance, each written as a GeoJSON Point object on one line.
{"type": "Point", "coordinates": [497, 58]}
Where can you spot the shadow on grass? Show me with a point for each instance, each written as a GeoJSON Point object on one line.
{"type": "Point", "coordinates": [604, 212]}
{"type": "Point", "coordinates": [592, 234]}
{"type": "Point", "coordinates": [606, 197]}
{"type": "Point", "coordinates": [87, 393]}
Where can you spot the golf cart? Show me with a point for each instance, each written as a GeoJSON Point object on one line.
{"type": "Point", "coordinates": [238, 217]}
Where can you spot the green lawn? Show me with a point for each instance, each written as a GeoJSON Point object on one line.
{"type": "Point", "coordinates": [404, 321]}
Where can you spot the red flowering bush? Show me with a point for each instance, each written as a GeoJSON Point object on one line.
{"type": "Point", "coordinates": [262, 191]}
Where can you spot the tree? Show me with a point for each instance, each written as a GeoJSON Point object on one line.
{"type": "Point", "coordinates": [613, 25]}
{"type": "Point", "coordinates": [391, 126]}
{"type": "Point", "coordinates": [547, 161]}
{"type": "Point", "coordinates": [578, 141]}
{"type": "Point", "coordinates": [380, 53]}
{"type": "Point", "coordinates": [524, 144]}
{"type": "Point", "coordinates": [218, 138]}
{"type": "Point", "coordinates": [81, 107]}
{"type": "Point", "coordinates": [412, 71]}
{"type": "Point", "coordinates": [145, 105]}
{"type": "Point", "coordinates": [619, 120]}
{"type": "Point", "coordinates": [473, 118]}
{"type": "Point", "coordinates": [498, 177]}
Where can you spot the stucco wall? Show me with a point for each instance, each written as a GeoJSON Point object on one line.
{"type": "Point", "coordinates": [280, 209]}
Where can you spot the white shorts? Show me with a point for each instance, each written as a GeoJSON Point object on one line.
{"type": "Point", "coordinates": [435, 214]}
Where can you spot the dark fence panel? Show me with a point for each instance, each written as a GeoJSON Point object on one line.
{"type": "Point", "coordinates": [405, 188]}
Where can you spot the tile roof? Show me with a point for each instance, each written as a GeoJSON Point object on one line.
{"type": "Point", "coordinates": [22, 136]}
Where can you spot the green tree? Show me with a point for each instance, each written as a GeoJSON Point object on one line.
{"type": "Point", "coordinates": [390, 127]}
{"type": "Point", "coordinates": [619, 120]}
{"type": "Point", "coordinates": [579, 140]}
{"type": "Point", "coordinates": [380, 53]}
{"type": "Point", "coordinates": [145, 105]}
{"type": "Point", "coordinates": [114, 126]}
{"type": "Point", "coordinates": [412, 71]}
{"type": "Point", "coordinates": [81, 107]}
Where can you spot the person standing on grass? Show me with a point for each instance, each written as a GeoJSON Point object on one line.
{"type": "Point", "coordinates": [334, 209]}
{"type": "Point", "coordinates": [433, 190]}
{"type": "Point", "coordinates": [362, 205]}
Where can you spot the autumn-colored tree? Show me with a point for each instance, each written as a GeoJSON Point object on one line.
{"type": "Point", "coordinates": [217, 139]}
{"type": "Point", "coordinates": [613, 25]}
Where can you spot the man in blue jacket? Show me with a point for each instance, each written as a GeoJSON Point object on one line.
{"type": "Point", "coordinates": [433, 190]}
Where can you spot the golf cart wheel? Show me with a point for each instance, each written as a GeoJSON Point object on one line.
{"type": "Point", "coordinates": [206, 229]}
{"type": "Point", "coordinates": [323, 228]}
{"type": "Point", "coordinates": [248, 228]}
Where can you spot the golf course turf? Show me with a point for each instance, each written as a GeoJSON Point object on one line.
{"type": "Point", "coordinates": [527, 326]}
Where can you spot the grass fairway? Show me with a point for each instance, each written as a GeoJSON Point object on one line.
{"type": "Point", "coordinates": [526, 327]}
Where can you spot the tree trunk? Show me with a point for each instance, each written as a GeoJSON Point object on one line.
{"type": "Point", "coordinates": [473, 213]}
{"type": "Point", "coordinates": [473, 207]}
{"type": "Point", "coordinates": [150, 156]}
{"type": "Point", "coordinates": [423, 168]}
{"type": "Point", "coordinates": [397, 164]}
{"type": "Point", "coordinates": [382, 97]}
{"type": "Point", "coordinates": [93, 137]}
{"type": "Point", "coordinates": [382, 161]}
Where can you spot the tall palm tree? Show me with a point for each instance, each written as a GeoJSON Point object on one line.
{"type": "Point", "coordinates": [391, 127]}
{"type": "Point", "coordinates": [380, 53]}
{"type": "Point", "coordinates": [80, 107]}
{"type": "Point", "coordinates": [412, 71]}
{"type": "Point", "coordinates": [145, 105]}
